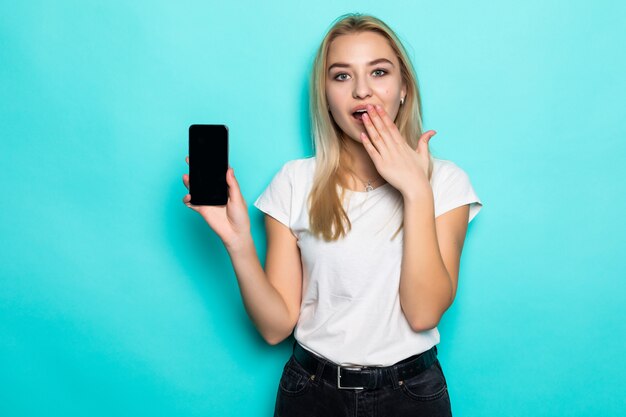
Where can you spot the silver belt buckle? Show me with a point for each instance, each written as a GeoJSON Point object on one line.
{"type": "Point", "coordinates": [354, 368]}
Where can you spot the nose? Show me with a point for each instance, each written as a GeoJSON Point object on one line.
{"type": "Point", "coordinates": [361, 88]}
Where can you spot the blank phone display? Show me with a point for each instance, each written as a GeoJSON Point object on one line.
{"type": "Point", "coordinates": [208, 163]}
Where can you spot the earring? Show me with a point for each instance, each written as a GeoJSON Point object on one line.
{"type": "Point", "coordinates": [402, 101]}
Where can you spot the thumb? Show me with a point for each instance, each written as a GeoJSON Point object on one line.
{"type": "Point", "coordinates": [422, 145]}
{"type": "Point", "coordinates": [234, 192]}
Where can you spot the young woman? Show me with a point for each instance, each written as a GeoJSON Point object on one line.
{"type": "Point", "coordinates": [364, 239]}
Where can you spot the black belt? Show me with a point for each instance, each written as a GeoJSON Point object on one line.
{"type": "Point", "coordinates": [365, 377]}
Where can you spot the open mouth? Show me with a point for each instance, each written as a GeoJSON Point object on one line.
{"type": "Point", "coordinates": [358, 115]}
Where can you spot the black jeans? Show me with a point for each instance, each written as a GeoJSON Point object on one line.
{"type": "Point", "coordinates": [301, 394]}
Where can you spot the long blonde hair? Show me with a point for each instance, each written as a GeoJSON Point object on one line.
{"type": "Point", "coordinates": [326, 212]}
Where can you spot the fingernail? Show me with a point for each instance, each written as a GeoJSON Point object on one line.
{"type": "Point", "coordinates": [378, 107]}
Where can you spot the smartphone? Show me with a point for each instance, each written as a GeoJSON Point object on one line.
{"type": "Point", "coordinates": [208, 163]}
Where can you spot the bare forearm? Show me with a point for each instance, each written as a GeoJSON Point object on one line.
{"type": "Point", "coordinates": [262, 302]}
{"type": "Point", "coordinates": [425, 286]}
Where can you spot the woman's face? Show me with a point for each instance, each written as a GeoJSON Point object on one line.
{"type": "Point", "coordinates": [362, 69]}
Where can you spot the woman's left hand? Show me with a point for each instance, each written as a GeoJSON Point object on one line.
{"type": "Point", "coordinates": [406, 169]}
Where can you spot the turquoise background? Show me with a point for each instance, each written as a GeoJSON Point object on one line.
{"type": "Point", "coordinates": [117, 300]}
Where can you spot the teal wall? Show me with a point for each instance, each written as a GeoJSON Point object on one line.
{"type": "Point", "coordinates": [117, 300]}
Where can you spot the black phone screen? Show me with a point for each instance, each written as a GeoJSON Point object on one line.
{"type": "Point", "coordinates": [208, 163]}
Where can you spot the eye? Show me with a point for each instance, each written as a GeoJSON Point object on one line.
{"type": "Point", "coordinates": [337, 77]}
{"type": "Point", "coordinates": [380, 71]}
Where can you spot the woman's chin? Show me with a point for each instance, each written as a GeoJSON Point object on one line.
{"type": "Point", "coordinates": [354, 134]}
{"type": "Point", "coordinates": [357, 139]}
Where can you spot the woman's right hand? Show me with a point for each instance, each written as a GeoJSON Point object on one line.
{"type": "Point", "coordinates": [231, 222]}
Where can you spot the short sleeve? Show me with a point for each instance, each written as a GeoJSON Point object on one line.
{"type": "Point", "coordinates": [276, 198]}
{"type": "Point", "coordinates": [455, 190]}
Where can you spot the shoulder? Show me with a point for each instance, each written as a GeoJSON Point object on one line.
{"type": "Point", "coordinates": [299, 167]}
{"type": "Point", "coordinates": [452, 188]}
{"type": "Point", "coordinates": [300, 163]}
{"type": "Point", "coordinates": [291, 174]}
{"type": "Point", "coordinates": [444, 169]}
{"type": "Point", "coordinates": [448, 179]}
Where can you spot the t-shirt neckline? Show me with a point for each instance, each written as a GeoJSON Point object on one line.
{"type": "Point", "coordinates": [372, 192]}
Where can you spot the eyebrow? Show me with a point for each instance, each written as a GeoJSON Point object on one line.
{"type": "Point", "coordinates": [374, 62]}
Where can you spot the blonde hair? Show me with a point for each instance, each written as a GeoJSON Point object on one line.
{"type": "Point", "coordinates": [326, 213]}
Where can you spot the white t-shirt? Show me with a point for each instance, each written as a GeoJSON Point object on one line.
{"type": "Point", "coordinates": [350, 311]}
